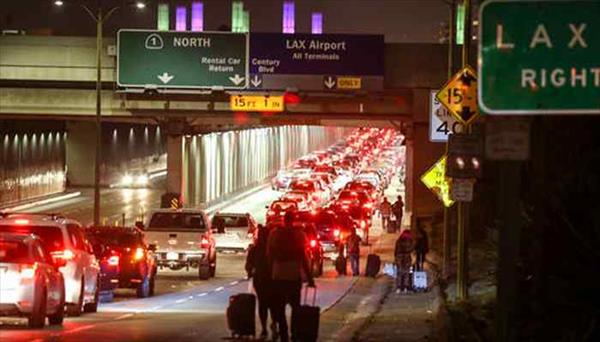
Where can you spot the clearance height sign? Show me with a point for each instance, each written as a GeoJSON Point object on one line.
{"type": "Point", "coordinates": [539, 57]}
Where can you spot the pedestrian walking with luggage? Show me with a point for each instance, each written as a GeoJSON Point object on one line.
{"type": "Point", "coordinates": [257, 268]}
{"type": "Point", "coordinates": [286, 253]}
{"type": "Point", "coordinates": [398, 210]}
{"type": "Point", "coordinates": [402, 253]}
{"type": "Point", "coordinates": [421, 247]}
{"type": "Point", "coordinates": [385, 210]}
{"type": "Point", "coordinates": [353, 244]}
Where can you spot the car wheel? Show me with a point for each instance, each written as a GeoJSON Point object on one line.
{"type": "Point", "coordinates": [58, 317]}
{"type": "Point", "coordinates": [143, 289]}
{"type": "Point", "coordinates": [213, 269]}
{"type": "Point", "coordinates": [152, 283]}
{"type": "Point", "coordinates": [75, 310]}
{"type": "Point", "coordinates": [93, 307]}
{"type": "Point", "coordinates": [38, 315]}
{"type": "Point", "coordinates": [204, 272]}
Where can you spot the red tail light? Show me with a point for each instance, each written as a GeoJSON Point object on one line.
{"type": "Point", "coordinates": [67, 254]}
{"type": "Point", "coordinates": [368, 205]}
{"type": "Point", "coordinates": [336, 233]}
{"type": "Point", "coordinates": [139, 254]}
{"type": "Point", "coordinates": [313, 243]}
{"type": "Point", "coordinates": [363, 224]}
{"type": "Point", "coordinates": [270, 213]}
{"type": "Point", "coordinates": [113, 260]}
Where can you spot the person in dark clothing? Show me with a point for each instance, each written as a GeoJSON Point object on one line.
{"type": "Point", "coordinates": [421, 247]}
{"type": "Point", "coordinates": [402, 253]}
{"type": "Point", "coordinates": [398, 210]}
{"type": "Point", "coordinates": [220, 225]}
{"type": "Point", "coordinates": [257, 268]}
{"type": "Point", "coordinates": [354, 251]}
{"type": "Point", "coordinates": [286, 253]}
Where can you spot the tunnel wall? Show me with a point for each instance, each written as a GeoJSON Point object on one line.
{"type": "Point", "coordinates": [219, 165]}
{"type": "Point", "coordinates": [32, 160]}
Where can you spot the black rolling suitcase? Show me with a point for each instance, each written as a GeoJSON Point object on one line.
{"type": "Point", "coordinates": [340, 265]}
{"type": "Point", "coordinates": [241, 313]}
{"type": "Point", "coordinates": [373, 265]}
{"type": "Point", "coordinates": [305, 319]}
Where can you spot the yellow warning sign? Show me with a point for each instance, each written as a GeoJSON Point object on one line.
{"type": "Point", "coordinates": [459, 96]}
{"type": "Point", "coordinates": [257, 103]}
{"type": "Point", "coordinates": [348, 83]}
{"type": "Point", "coordinates": [435, 180]}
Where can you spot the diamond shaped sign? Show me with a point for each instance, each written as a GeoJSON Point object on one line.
{"type": "Point", "coordinates": [435, 180]}
{"type": "Point", "coordinates": [459, 96]}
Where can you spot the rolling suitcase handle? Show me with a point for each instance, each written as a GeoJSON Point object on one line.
{"type": "Point", "coordinates": [314, 301]}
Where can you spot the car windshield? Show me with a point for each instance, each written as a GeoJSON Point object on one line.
{"type": "Point", "coordinates": [113, 238]}
{"type": "Point", "coordinates": [51, 237]}
{"type": "Point", "coordinates": [232, 220]}
{"type": "Point", "coordinates": [325, 219]}
{"type": "Point", "coordinates": [14, 251]}
{"type": "Point", "coordinates": [177, 221]}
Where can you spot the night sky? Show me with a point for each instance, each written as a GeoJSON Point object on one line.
{"type": "Point", "coordinates": [398, 20]}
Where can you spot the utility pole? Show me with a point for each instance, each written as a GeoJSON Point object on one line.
{"type": "Point", "coordinates": [447, 234]}
{"type": "Point", "coordinates": [462, 274]}
{"type": "Point", "coordinates": [99, 26]}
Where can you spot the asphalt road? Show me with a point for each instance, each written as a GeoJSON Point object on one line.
{"type": "Point", "coordinates": [184, 308]}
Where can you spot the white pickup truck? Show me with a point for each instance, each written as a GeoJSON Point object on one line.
{"type": "Point", "coordinates": [182, 238]}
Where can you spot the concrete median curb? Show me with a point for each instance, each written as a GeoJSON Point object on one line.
{"type": "Point", "coordinates": [49, 200]}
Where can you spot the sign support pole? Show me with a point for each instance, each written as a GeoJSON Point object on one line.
{"type": "Point", "coordinates": [462, 272]}
{"type": "Point", "coordinates": [447, 248]}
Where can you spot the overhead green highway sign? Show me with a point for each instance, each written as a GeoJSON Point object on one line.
{"type": "Point", "coordinates": [539, 57]}
{"type": "Point", "coordinates": [172, 59]}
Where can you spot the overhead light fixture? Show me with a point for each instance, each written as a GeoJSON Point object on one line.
{"type": "Point", "coordinates": [58, 3]}
{"type": "Point", "coordinates": [140, 5]}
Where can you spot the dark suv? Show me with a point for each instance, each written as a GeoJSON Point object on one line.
{"type": "Point", "coordinates": [125, 259]}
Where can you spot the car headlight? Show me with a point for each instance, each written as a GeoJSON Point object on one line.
{"type": "Point", "coordinates": [127, 180]}
{"type": "Point", "coordinates": [142, 180]}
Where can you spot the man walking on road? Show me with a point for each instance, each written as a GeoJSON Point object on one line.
{"type": "Point", "coordinates": [402, 253]}
{"type": "Point", "coordinates": [354, 251]}
{"type": "Point", "coordinates": [288, 261]}
{"type": "Point", "coordinates": [398, 210]}
{"type": "Point", "coordinates": [421, 247]}
{"type": "Point", "coordinates": [385, 210]}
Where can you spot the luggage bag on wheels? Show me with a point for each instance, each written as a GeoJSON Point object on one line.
{"type": "Point", "coordinates": [305, 319]}
{"type": "Point", "coordinates": [241, 313]}
{"type": "Point", "coordinates": [373, 265]}
{"type": "Point", "coordinates": [340, 265]}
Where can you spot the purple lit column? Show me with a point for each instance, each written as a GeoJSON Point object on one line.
{"type": "Point", "coordinates": [317, 23]}
{"type": "Point", "coordinates": [197, 16]}
{"type": "Point", "coordinates": [288, 16]}
{"type": "Point", "coordinates": [181, 18]}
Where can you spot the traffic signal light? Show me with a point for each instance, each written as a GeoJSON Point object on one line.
{"type": "Point", "coordinates": [461, 165]}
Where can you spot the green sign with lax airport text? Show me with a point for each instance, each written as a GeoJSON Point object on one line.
{"type": "Point", "coordinates": [539, 57]}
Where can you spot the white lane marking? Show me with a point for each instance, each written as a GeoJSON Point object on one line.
{"type": "Point", "coordinates": [202, 294]}
{"type": "Point", "coordinates": [124, 316]}
{"type": "Point", "coordinates": [234, 282]}
{"type": "Point", "coordinates": [180, 301]}
{"type": "Point", "coordinates": [220, 288]}
{"type": "Point", "coordinates": [156, 308]}
{"type": "Point", "coordinates": [191, 297]}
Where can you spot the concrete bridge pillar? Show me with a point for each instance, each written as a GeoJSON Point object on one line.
{"type": "Point", "coordinates": [80, 153]}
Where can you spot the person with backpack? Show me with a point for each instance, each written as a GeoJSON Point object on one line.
{"type": "Point", "coordinates": [421, 247]}
{"type": "Point", "coordinates": [257, 268]}
{"type": "Point", "coordinates": [402, 253]}
{"type": "Point", "coordinates": [353, 243]}
{"type": "Point", "coordinates": [385, 210]}
{"type": "Point", "coordinates": [286, 253]}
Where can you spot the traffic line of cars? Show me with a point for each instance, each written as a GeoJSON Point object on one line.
{"type": "Point", "coordinates": [334, 191]}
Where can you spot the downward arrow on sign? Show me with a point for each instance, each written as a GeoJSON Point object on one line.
{"type": "Point", "coordinates": [236, 79]}
{"type": "Point", "coordinates": [256, 81]}
{"type": "Point", "coordinates": [165, 77]}
{"type": "Point", "coordinates": [329, 82]}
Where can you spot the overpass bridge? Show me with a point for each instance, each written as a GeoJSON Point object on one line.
{"type": "Point", "coordinates": [53, 78]}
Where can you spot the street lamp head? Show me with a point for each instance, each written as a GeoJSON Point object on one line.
{"type": "Point", "coordinates": [58, 3]}
{"type": "Point", "coordinates": [140, 5]}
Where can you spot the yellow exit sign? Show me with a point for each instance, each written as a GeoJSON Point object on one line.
{"type": "Point", "coordinates": [257, 103]}
{"type": "Point", "coordinates": [348, 83]}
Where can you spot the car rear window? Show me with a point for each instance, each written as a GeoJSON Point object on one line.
{"type": "Point", "coordinates": [51, 237]}
{"type": "Point", "coordinates": [14, 251]}
{"type": "Point", "coordinates": [283, 205]}
{"type": "Point", "coordinates": [175, 221]}
{"type": "Point", "coordinates": [114, 238]}
{"type": "Point", "coordinates": [306, 186]}
{"type": "Point", "coordinates": [232, 221]}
